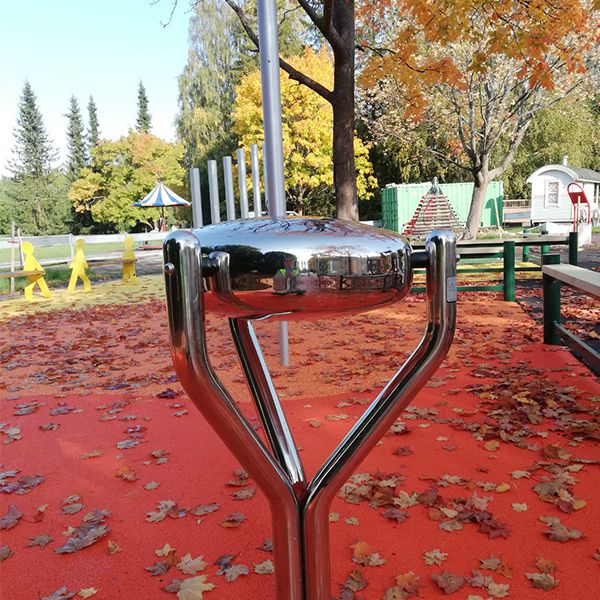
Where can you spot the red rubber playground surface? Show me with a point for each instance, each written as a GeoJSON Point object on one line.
{"type": "Point", "coordinates": [113, 485]}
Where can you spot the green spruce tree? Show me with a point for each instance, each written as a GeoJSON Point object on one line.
{"type": "Point", "coordinates": [33, 152]}
{"type": "Point", "coordinates": [93, 132]}
{"type": "Point", "coordinates": [76, 158]}
{"type": "Point", "coordinates": [144, 121]}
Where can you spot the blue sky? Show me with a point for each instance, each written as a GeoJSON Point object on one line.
{"type": "Point", "coordinates": [101, 48]}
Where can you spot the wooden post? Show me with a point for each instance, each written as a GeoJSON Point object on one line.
{"type": "Point", "coordinates": [551, 290]}
{"type": "Point", "coordinates": [573, 247]}
{"type": "Point", "coordinates": [509, 270]}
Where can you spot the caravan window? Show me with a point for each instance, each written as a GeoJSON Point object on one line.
{"type": "Point", "coordinates": [551, 196]}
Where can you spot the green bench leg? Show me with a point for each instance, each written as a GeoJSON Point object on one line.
{"type": "Point", "coordinates": [551, 290]}
{"type": "Point", "coordinates": [509, 270]}
{"type": "Point", "coordinates": [573, 244]}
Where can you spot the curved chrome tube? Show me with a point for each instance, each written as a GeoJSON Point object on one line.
{"type": "Point", "coordinates": [267, 403]}
{"type": "Point", "coordinates": [382, 412]}
{"type": "Point", "coordinates": [183, 279]}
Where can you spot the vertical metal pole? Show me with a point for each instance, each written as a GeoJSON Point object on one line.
{"type": "Point", "coordinates": [271, 101]}
{"type": "Point", "coordinates": [213, 190]}
{"type": "Point", "coordinates": [526, 253]}
{"type": "Point", "coordinates": [265, 180]}
{"type": "Point", "coordinates": [241, 163]}
{"type": "Point", "coordinates": [229, 197]}
{"type": "Point", "coordinates": [196, 197]}
{"type": "Point", "coordinates": [273, 148]}
{"type": "Point", "coordinates": [551, 288]}
{"type": "Point", "coordinates": [509, 270]}
{"type": "Point", "coordinates": [573, 247]}
{"type": "Point", "coordinates": [255, 180]}
{"type": "Point", "coordinates": [12, 255]}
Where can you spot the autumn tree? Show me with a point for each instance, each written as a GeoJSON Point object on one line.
{"type": "Point", "coordinates": [123, 172]}
{"type": "Point", "coordinates": [307, 121]}
{"type": "Point", "coordinates": [569, 128]}
{"type": "Point", "coordinates": [334, 22]}
{"type": "Point", "coordinates": [486, 68]}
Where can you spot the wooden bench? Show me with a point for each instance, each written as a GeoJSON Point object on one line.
{"type": "Point", "coordinates": [584, 280]}
{"type": "Point", "coordinates": [13, 274]}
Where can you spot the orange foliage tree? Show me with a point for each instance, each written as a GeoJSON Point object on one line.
{"type": "Point", "coordinates": [481, 67]}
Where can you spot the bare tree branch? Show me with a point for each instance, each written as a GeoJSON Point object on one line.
{"type": "Point", "coordinates": [294, 73]}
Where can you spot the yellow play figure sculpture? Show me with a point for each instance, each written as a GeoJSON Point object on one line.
{"type": "Point", "coordinates": [128, 260]}
{"type": "Point", "coordinates": [31, 264]}
{"type": "Point", "coordinates": [78, 266]}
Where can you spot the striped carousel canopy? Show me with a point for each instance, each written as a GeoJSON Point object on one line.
{"type": "Point", "coordinates": [161, 196]}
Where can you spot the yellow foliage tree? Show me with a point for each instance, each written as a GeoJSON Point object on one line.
{"type": "Point", "coordinates": [122, 172]}
{"type": "Point", "coordinates": [307, 124]}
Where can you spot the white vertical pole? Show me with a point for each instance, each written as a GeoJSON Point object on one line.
{"type": "Point", "coordinates": [196, 197]}
{"type": "Point", "coordinates": [255, 180]}
{"type": "Point", "coordinates": [241, 163]}
{"type": "Point", "coordinates": [229, 197]}
{"type": "Point", "coordinates": [273, 148]}
{"type": "Point", "coordinates": [213, 190]}
{"type": "Point", "coordinates": [13, 241]}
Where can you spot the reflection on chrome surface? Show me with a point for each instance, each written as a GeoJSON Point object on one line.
{"type": "Point", "coordinates": [313, 266]}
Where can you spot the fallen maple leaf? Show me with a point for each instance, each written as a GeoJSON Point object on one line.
{"type": "Point", "coordinates": [60, 594]}
{"type": "Point", "coordinates": [234, 571]}
{"type": "Point", "coordinates": [190, 565]}
{"type": "Point", "coordinates": [264, 568]}
{"type": "Point", "coordinates": [39, 540]}
{"type": "Point", "coordinates": [158, 568]}
{"type": "Point", "coordinates": [89, 532]}
{"type": "Point", "coordinates": [113, 547]}
{"type": "Point", "coordinates": [542, 581]}
{"type": "Point", "coordinates": [498, 590]}
{"type": "Point", "coordinates": [10, 519]}
{"type": "Point", "coordinates": [233, 520]}
{"type": "Point", "coordinates": [87, 592]}
{"type": "Point", "coordinates": [205, 509]}
{"type": "Point", "coordinates": [448, 582]}
{"type": "Point", "coordinates": [409, 583]}
{"type": "Point", "coordinates": [5, 552]}
{"type": "Point", "coordinates": [363, 556]}
{"type": "Point", "coordinates": [194, 588]}
{"type": "Point", "coordinates": [434, 557]}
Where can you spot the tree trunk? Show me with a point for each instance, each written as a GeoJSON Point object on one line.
{"type": "Point", "coordinates": [344, 170]}
{"type": "Point", "coordinates": [482, 179]}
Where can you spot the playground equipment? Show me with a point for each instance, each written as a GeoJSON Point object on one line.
{"type": "Point", "coordinates": [128, 259]}
{"type": "Point", "coordinates": [36, 273]}
{"type": "Point", "coordinates": [433, 212]}
{"type": "Point", "coordinates": [578, 199]}
{"type": "Point", "coordinates": [298, 268]}
{"type": "Point", "coordinates": [78, 268]}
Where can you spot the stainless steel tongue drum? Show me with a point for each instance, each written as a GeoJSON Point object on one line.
{"type": "Point", "coordinates": [298, 268]}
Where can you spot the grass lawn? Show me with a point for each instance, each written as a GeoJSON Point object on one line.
{"type": "Point", "coordinates": [54, 275]}
{"type": "Point", "coordinates": [63, 251]}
